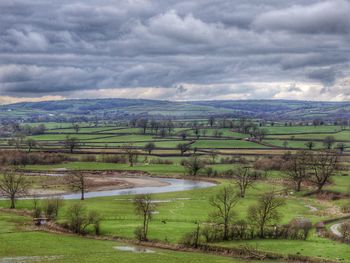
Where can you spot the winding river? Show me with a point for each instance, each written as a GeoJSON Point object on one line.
{"type": "Point", "coordinates": [172, 185]}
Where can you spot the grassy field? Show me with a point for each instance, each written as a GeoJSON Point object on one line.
{"type": "Point", "coordinates": [181, 209]}
{"type": "Point", "coordinates": [176, 212]}
{"type": "Point", "coordinates": [21, 245]}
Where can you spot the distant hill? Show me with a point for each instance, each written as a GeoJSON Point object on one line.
{"type": "Point", "coordinates": [128, 108]}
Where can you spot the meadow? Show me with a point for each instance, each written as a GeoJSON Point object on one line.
{"type": "Point", "coordinates": [177, 213]}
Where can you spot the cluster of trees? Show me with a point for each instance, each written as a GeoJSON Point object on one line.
{"type": "Point", "coordinates": [315, 167]}
{"type": "Point", "coordinates": [161, 128]}
{"type": "Point", "coordinates": [263, 219]}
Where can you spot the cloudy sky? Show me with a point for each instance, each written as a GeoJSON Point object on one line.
{"type": "Point", "coordinates": [173, 49]}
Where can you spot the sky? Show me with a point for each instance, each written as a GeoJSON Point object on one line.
{"type": "Point", "coordinates": [174, 49]}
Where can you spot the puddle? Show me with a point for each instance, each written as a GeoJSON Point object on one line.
{"type": "Point", "coordinates": [25, 259]}
{"type": "Point", "coordinates": [134, 249]}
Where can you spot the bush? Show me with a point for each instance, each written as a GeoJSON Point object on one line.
{"type": "Point", "coordinates": [191, 239]}
{"type": "Point", "coordinates": [51, 207]}
{"type": "Point", "coordinates": [138, 232]}
{"type": "Point", "coordinates": [34, 158]}
{"type": "Point", "coordinates": [212, 232]}
{"type": "Point", "coordinates": [345, 231]}
{"type": "Point", "coordinates": [274, 163]}
{"type": "Point", "coordinates": [114, 159]}
{"type": "Point", "coordinates": [88, 158]}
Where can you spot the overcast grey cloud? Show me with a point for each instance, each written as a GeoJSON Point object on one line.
{"type": "Point", "coordinates": [181, 50]}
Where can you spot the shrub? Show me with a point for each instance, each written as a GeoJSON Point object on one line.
{"type": "Point", "coordinates": [88, 158]}
{"type": "Point", "coordinates": [114, 159]}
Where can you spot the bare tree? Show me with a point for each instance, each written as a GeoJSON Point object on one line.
{"type": "Point", "coordinates": [310, 145]}
{"type": "Point", "coordinates": [324, 165]}
{"type": "Point", "coordinates": [224, 202]}
{"type": "Point", "coordinates": [183, 147]}
{"type": "Point", "coordinates": [296, 168]}
{"type": "Point", "coordinates": [193, 165]}
{"type": "Point", "coordinates": [79, 219]}
{"type": "Point", "coordinates": [149, 147]}
{"type": "Point", "coordinates": [211, 121]}
{"type": "Point", "coordinates": [71, 143]}
{"type": "Point", "coordinates": [144, 207]}
{"type": "Point", "coordinates": [213, 154]}
{"type": "Point", "coordinates": [340, 147]}
{"type": "Point", "coordinates": [131, 153]}
{"type": "Point", "coordinates": [31, 143]}
{"type": "Point", "coordinates": [78, 183]}
{"type": "Point", "coordinates": [328, 142]}
{"type": "Point", "coordinates": [76, 127]}
{"type": "Point", "coordinates": [243, 178]}
{"type": "Point", "coordinates": [143, 124]}
{"type": "Point", "coordinates": [265, 211]}
{"type": "Point", "coordinates": [13, 186]}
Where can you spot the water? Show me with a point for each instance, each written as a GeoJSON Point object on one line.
{"type": "Point", "coordinates": [134, 249]}
{"type": "Point", "coordinates": [173, 185]}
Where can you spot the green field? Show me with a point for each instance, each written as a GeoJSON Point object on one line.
{"type": "Point", "coordinates": [177, 212]}
{"type": "Point", "coordinates": [47, 247]}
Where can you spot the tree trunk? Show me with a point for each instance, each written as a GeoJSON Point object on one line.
{"type": "Point", "coordinates": [12, 202]}
{"type": "Point", "coordinates": [298, 186]}
{"type": "Point", "coordinates": [261, 231]}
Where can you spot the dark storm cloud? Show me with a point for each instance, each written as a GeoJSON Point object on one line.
{"type": "Point", "coordinates": [62, 47]}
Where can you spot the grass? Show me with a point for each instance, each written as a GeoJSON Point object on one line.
{"type": "Point", "coordinates": [301, 129]}
{"type": "Point", "coordinates": [340, 136]}
{"type": "Point", "coordinates": [315, 247]}
{"type": "Point", "coordinates": [180, 210]}
{"type": "Point", "coordinates": [226, 144]}
{"type": "Point", "coordinates": [68, 248]}
{"type": "Point", "coordinates": [292, 144]}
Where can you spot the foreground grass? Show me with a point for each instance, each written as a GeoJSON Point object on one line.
{"type": "Point", "coordinates": [23, 246]}
{"type": "Point", "coordinates": [315, 246]}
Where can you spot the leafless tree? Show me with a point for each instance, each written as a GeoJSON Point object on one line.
{"type": "Point", "coordinates": [310, 145]}
{"type": "Point", "coordinates": [143, 124]}
{"type": "Point", "coordinates": [131, 153]}
{"type": "Point", "coordinates": [328, 142]}
{"type": "Point", "coordinates": [296, 168]}
{"type": "Point", "coordinates": [211, 121]}
{"type": "Point", "coordinates": [31, 143]}
{"type": "Point", "coordinates": [193, 165]}
{"type": "Point", "coordinates": [183, 147]}
{"type": "Point", "coordinates": [213, 154]}
{"type": "Point", "coordinates": [265, 211]}
{"type": "Point", "coordinates": [324, 165]}
{"type": "Point", "coordinates": [76, 127]}
{"type": "Point", "coordinates": [71, 143]}
{"type": "Point", "coordinates": [243, 178]}
{"type": "Point", "coordinates": [13, 185]}
{"type": "Point", "coordinates": [144, 207]}
{"type": "Point", "coordinates": [149, 147]}
{"type": "Point", "coordinates": [78, 183]}
{"type": "Point", "coordinates": [79, 219]}
{"type": "Point", "coordinates": [224, 202]}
